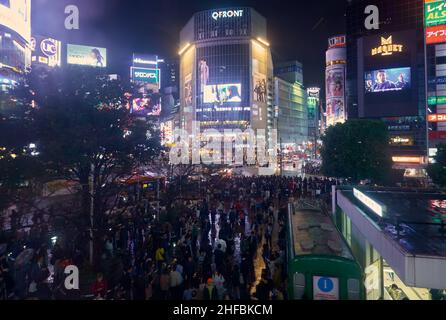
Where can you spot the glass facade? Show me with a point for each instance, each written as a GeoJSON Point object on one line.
{"type": "Point", "coordinates": [226, 71]}
{"type": "Point", "coordinates": [292, 122]}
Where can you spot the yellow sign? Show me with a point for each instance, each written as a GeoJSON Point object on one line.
{"type": "Point", "coordinates": [387, 47]}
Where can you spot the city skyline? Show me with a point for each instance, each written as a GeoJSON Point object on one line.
{"type": "Point", "coordinates": [291, 26]}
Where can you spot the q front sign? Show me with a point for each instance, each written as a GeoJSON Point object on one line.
{"type": "Point", "coordinates": [216, 15]}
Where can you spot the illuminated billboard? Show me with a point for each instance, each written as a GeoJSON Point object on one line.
{"type": "Point", "coordinates": [167, 129]}
{"type": "Point", "coordinates": [337, 41]}
{"type": "Point", "coordinates": [86, 56]}
{"type": "Point", "coordinates": [46, 51]}
{"type": "Point", "coordinates": [222, 93]}
{"type": "Point", "coordinates": [335, 94]}
{"type": "Point", "coordinates": [436, 118]}
{"type": "Point", "coordinates": [436, 34]}
{"type": "Point", "coordinates": [146, 107]}
{"type": "Point", "coordinates": [145, 60]}
{"type": "Point", "coordinates": [146, 75]}
{"type": "Point", "coordinates": [435, 12]}
{"type": "Point", "coordinates": [387, 71]}
{"type": "Point", "coordinates": [384, 80]}
{"type": "Point", "coordinates": [16, 15]}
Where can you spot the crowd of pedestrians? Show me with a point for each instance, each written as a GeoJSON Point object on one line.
{"type": "Point", "coordinates": [228, 243]}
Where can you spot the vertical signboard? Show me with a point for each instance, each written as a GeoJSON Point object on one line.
{"type": "Point", "coordinates": [435, 12]}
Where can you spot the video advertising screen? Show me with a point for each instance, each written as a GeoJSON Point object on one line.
{"type": "Point", "coordinates": [146, 107]}
{"type": "Point", "coordinates": [222, 93]}
{"type": "Point", "coordinates": [388, 80]}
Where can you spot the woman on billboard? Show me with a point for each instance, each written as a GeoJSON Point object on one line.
{"type": "Point", "coordinates": [97, 58]}
{"type": "Point", "coordinates": [204, 74]}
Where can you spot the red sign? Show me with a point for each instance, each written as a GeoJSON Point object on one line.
{"type": "Point", "coordinates": [437, 135]}
{"type": "Point", "coordinates": [436, 34]}
{"type": "Point", "coordinates": [336, 42]}
{"type": "Point", "coordinates": [436, 118]}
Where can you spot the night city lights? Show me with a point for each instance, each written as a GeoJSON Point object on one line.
{"type": "Point", "coordinates": [222, 159]}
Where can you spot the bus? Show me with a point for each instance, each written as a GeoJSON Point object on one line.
{"type": "Point", "coordinates": [320, 264]}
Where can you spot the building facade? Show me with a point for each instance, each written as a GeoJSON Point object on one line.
{"type": "Point", "coordinates": [386, 75]}
{"type": "Point", "coordinates": [226, 71]}
{"type": "Point", "coordinates": [292, 113]}
{"type": "Point", "coordinates": [15, 38]}
{"type": "Point", "coordinates": [436, 73]}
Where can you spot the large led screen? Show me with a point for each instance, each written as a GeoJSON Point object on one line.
{"type": "Point", "coordinates": [222, 87]}
{"type": "Point", "coordinates": [146, 107]}
{"type": "Point", "coordinates": [87, 56]}
{"type": "Point", "coordinates": [387, 80]}
{"type": "Point", "coordinates": [222, 93]}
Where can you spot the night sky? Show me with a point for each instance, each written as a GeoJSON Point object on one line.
{"type": "Point", "coordinates": [298, 30]}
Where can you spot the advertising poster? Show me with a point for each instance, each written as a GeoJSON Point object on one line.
{"type": "Point", "coordinates": [203, 73]}
{"type": "Point", "coordinates": [16, 15]}
{"type": "Point", "coordinates": [86, 56]}
{"type": "Point", "coordinates": [188, 90]}
{"type": "Point", "coordinates": [335, 80]}
{"type": "Point", "coordinates": [335, 93]}
{"type": "Point", "coordinates": [335, 111]}
{"type": "Point", "coordinates": [260, 88]}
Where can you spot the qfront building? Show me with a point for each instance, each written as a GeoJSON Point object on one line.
{"type": "Point", "coordinates": [226, 71]}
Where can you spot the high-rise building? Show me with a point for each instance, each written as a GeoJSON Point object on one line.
{"type": "Point", "coordinates": [291, 71]}
{"type": "Point", "coordinates": [335, 80]}
{"type": "Point", "coordinates": [292, 113]}
{"type": "Point", "coordinates": [386, 75]}
{"type": "Point", "coordinates": [226, 71]}
{"type": "Point", "coordinates": [436, 73]}
{"type": "Point", "coordinates": [15, 38]}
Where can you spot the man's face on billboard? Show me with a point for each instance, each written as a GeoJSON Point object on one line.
{"type": "Point", "coordinates": [381, 77]}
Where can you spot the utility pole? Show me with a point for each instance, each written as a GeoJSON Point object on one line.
{"type": "Point", "coordinates": [91, 182]}
{"type": "Point", "coordinates": [158, 197]}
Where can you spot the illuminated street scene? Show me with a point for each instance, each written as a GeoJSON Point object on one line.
{"type": "Point", "coordinates": [238, 151]}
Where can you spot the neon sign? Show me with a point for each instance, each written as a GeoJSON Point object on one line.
{"type": "Point", "coordinates": [436, 118]}
{"type": "Point", "coordinates": [369, 202]}
{"type": "Point", "coordinates": [387, 47]}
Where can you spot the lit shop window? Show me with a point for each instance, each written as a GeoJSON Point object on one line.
{"type": "Point", "coordinates": [395, 289]}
